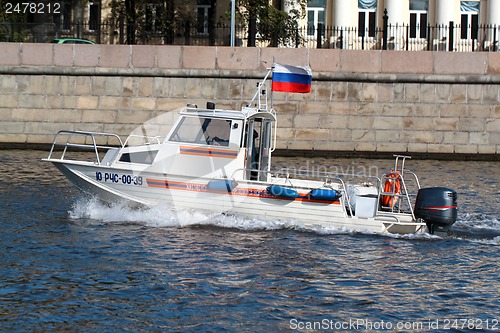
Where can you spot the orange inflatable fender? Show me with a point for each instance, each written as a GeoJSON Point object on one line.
{"type": "Point", "coordinates": [392, 185]}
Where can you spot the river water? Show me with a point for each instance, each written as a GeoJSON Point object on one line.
{"type": "Point", "coordinates": [71, 264]}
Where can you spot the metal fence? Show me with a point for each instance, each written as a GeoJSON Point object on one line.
{"type": "Point", "coordinates": [393, 37]}
{"type": "Point", "coordinates": [408, 38]}
{"type": "Point", "coordinates": [27, 32]}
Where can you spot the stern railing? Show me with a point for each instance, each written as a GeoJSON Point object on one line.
{"type": "Point", "coordinates": [397, 196]}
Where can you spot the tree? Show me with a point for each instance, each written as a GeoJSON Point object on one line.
{"type": "Point", "coordinates": [130, 12]}
{"type": "Point", "coordinates": [270, 21]}
{"type": "Point", "coordinates": [145, 19]}
{"type": "Point", "coordinates": [12, 23]}
{"type": "Point", "coordinates": [170, 22]}
{"type": "Point", "coordinates": [134, 17]}
{"type": "Point", "coordinates": [173, 19]}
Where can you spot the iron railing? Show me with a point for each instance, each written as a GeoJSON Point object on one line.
{"type": "Point", "coordinates": [449, 37]}
{"type": "Point", "coordinates": [27, 32]}
{"type": "Point", "coordinates": [408, 38]}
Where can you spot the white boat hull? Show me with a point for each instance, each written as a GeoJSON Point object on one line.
{"type": "Point", "coordinates": [220, 160]}
{"type": "Point", "coordinates": [249, 198]}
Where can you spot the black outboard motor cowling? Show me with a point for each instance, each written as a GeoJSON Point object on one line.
{"type": "Point", "coordinates": [437, 206]}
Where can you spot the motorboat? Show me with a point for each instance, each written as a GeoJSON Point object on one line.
{"type": "Point", "coordinates": [219, 161]}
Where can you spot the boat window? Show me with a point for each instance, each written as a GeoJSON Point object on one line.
{"type": "Point", "coordinates": [141, 157]}
{"type": "Point", "coordinates": [211, 131]}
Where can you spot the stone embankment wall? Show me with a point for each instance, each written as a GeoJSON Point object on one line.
{"type": "Point", "coordinates": [361, 101]}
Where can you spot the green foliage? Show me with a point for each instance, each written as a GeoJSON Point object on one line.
{"type": "Point", "coordinates": [144, 19]}
{"type": "Point", "coordinates": [273, 24]}
{"type": "Point", "coordinates": [12, 25]}
{"type": "Point", "coordinates": [18, 17]}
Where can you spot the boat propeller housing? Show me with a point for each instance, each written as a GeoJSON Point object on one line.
{"type": "Point", "coordinates": [437, 206]}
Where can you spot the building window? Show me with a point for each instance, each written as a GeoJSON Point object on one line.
{"type": "Point", "coordinates": [94, 16]}
{"type": "Point", "coordinates": [469, 24]}
{"type": "Point", "coordinates": [63, 19]}
{"type": "Point", "coordinates": [315, 16]}
{"type": "Point", "coordinates": [418, 18]}
{"type": "Point", "coordinates": [366, 23]}
{"type": "Point", "coordinates": [203, 12]}
{"type": "Point", "coordinates": [153, 17]}
{"type": "Point", "coordinates": [367, 18]}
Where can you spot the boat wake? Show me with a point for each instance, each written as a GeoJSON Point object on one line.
{"type": "Point", "coordinates": [94, 211]}
{"type": "Point", "coordinates": [471, 227]}
{"type": "Point", "coordinates": [477, 228]}
{"type": "Point", "coordinates": [477, 222]}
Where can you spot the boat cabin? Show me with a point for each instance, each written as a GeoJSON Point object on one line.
{"type": "Point", "coordinates": [239, 143]}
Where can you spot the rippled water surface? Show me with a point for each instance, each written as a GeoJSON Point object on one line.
{"type": "Point", "coordinates": [70, 264]}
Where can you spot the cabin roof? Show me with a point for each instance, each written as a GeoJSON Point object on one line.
{"type": "Point", "coordinates": [215, 113]}
{"type": "Point", "coordinates": [225, 114]}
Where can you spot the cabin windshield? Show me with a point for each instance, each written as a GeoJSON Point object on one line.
{"type": "Point", "coordinates": [200, 130]}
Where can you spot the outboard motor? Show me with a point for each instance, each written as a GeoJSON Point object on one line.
{"type": "Point", "coordinates": [437, 206]}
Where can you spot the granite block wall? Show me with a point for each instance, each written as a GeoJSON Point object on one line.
{"type": "Point", "coordinates": [361, 101]}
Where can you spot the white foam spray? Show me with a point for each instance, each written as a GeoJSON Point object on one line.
{"type": "Point", "coordinates": [94, 211]}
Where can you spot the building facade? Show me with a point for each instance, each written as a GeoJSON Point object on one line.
{"type": "Point", "coordinates": [416, 13]}
{"type": "Point", "coordinates": [412, 23]}
{"type": "Point", "coordinates": [447, 25]}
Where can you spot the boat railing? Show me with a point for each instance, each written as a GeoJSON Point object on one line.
{"type": "Point", "coordinates": [146, 140]}
{"type": "Point", "coordinates": [82, 144]}
{"type": "Point", "coordinates": [340, 178]}
{"type": "Point", "coordinates": [326, 176]}
{"type": "Point", "coordinates": [394, 187]}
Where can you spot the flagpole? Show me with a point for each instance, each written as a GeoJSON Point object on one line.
{"type": "Point", "coordinates": [272, 91]}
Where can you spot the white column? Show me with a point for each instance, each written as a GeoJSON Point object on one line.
{"type": "Point", "coordinates": [345, 13]}
{"type": "Point", "coordinates": [446, 11]}
{"type": "Point", "coordinates": [493, 12]}
{"type": "Point", "coordinates": [288, 6]}
{"type": "Point", "coordinates": [492, 19]}
{"type": "Point", "coordinates": [399, 15]}
{"type": "Point", "coordinates": [398, 11]}
{"type": "Point", "coordinates": [345, 18]}
{"type": "Point", "coordinates": [432, 12]}
{"type": "Point", "coordinates": [483, 10]}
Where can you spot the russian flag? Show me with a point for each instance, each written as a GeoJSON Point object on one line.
{"type": "Point", "coordinates": [295, 79]}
